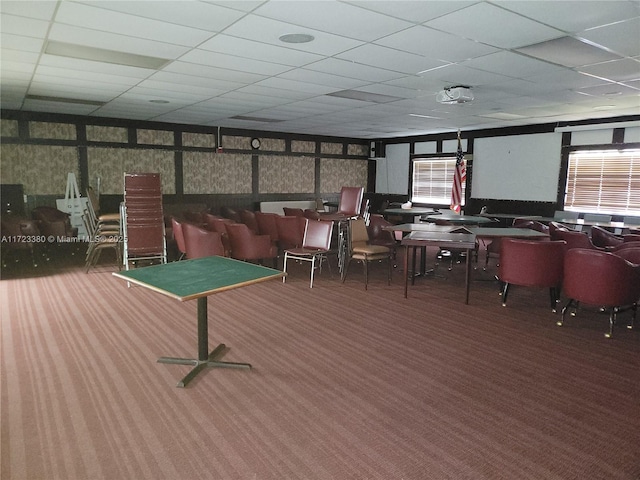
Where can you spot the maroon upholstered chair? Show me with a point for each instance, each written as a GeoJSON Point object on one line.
{"type": "Point", "coordinates": [293, 212]}
{"type": "Point", "coordinates": [290, 231]}
{"type": "Point", "coordinates": [246, 245]}
{"type": "Point", "coordinates": [18, 231]}
{"type": "Point", "coordinates": [631, 254]}
{"type": "Point", "coordinates": [604, 238]}
{"type": "Point", "coordinates": [267, 225]}
{"type": "Point", "coordinates": [531, 263]}
{"type": "Point", "coordinates": [219, 224]}
{"type": "Point", "coordinates": [574, 239]}
{"type": "Point", "coordinates": [230, 213]}
{"type": "Point", "coordinates": [200, 242]}
{"type": "Point", "coordinates": [601, 279]}
{"type": "Point", "coordinates": [555, 227]}
{"type": "Point", "coordinates": [311, 214]}
{"type": "Point", "coordinates": [248, 217]}
{"type": "Point", "coordinates": [315, 246]}
{"type": "Point", "coordinates": [350, 201]}
{"type": "Point", "coordinates": [178, 236]}
{"type": "Point", "coordinates": [379, 236]}
{"type": "Point", "coordinates": [52, 221]}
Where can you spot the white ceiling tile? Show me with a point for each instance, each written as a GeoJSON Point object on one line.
{"type": "Point", "coordinates": [392, 59]}
{"type": "Point", "coordinates": [621, 37]}
{"type": "Point", "coordinates": [412, 10]}
{"type": "Point", "coordinates": [72, 90]}
{"type": "Point", "coordinates": [617, 70]}
{"type": "Point", "coordinates": [253, 27]}
{"type": "Point", "coordinates": [111, 41]}
{"type": "Point", "coordinates": [285, 84]}
{"type": "Point", "coordinates": [571, 16]}
{"type": "Point", "coordinates": [491, 25]}
{"type": "Point", "coordinates": [201, 81]}
{"type": "Point", "coordinates": [320, 78]}
{"type": "Point", "coordinates": [10, 41]}
{"type": "Point", "coordinates": [242, 47]}
{"type": "Point", "coordinates": [27, 27]}
{"type": "Point", "coordinates": [510, 64]}
{"type": "Point", "coordinates": [232, 62]}
{"type": "Point", "coordinates": [85, 75]}
{"type": "Point", "coordinates": [434, 44]}
{"type": "Point", "coordinates": [354, 70]}
{"type": "Point", "coordinates": [341, 19]}
{"type": "Point", "coordinates": [41, 10]}
{"type": "Point", "coordinates": [213, 73]}
{"type": "Point", "coordinates": [201, 15]}
{"type": "Point", "coordinates": [99, 19]}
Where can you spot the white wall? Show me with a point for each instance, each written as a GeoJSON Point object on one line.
{"type": "Point", "coordinates": [392, 172]}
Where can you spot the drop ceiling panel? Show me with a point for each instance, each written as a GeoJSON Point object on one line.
{"type": "Point", "coordinates": [242, 47]}
{"type": "Point", "coordinates": [198, 15]}
{"type": "Point", "coordinates": [399, 61]}
{"type": "Point", "coordinates": [226, 59]}
{"type": "Point", "coordinates": [99, 19]}
{"type": "Point", "coordinates": [111, 41]}
{"type": "Point", "coordinates": [621, 37]}
{"type": "Point", "coordinates": [253, 27]}
{"type": "Point", "coordinates": [341, 19]}
{"type": "Point", "coordinates": [565, 16]}
{"type": "Point", "coordinates": [435, 44]}
{"type": "Point", "coordinates": [491, 25]}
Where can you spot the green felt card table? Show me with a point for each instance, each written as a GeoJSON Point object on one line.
{"type": "Point", "coordinates": [196, 279]}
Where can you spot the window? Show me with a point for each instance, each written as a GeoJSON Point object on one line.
{"type": "Point", "coordinates": [604, 181]}
{"type": "Point", "coordinates": [432, 179]}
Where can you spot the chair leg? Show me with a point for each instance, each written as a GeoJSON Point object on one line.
{"type": "Point", "coordinates": [284, 268]}
{"type": "Point", "coordinates": [505, 290]}
{"type": "Point", "coordinates": [344, 270]}
{"type": "Point", "coordinates": [366, 272]}
{"type": "Point", "coordinates": [564, 311]}
{"type": "Point", "coordinates": [634, 308]}
{"type": "Point", "coordinates": [390, 270]}
{"type": "Point", "coordinates": [612, 321]}
{"type": "Point", "coordinates": [553, 296]}
{"type": "Point", "coordinates": [313, 268]}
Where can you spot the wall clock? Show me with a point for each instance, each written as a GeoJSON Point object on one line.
{"type": "Point", "coordinates": [255, 143]}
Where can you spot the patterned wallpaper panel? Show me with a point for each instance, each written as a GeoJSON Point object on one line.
{"type": "Point", "coordinates": [110, 164]}
{"type": "Point", "coordinates": [355, 149]}
{"type": "Point", "coordinates": [215, 173]}
{"type": "Point", "coordinates": [273, 145]}
{"type": "Point", "coordinates": [154, 137]}
{"type": "Point", "coordinates": [236, 143]}
{"type": "Point", "coordinates": [331, 148]}
{"type": "Point", "coordinates": [336, 173]}
{"type": "Point", "coordinates": [304, 147]}
{"type": "Point", "coordinates": [97, 133]}
{"type": "Point", "coordinates": [57, 131]}
{"type": "Point", "coordinates": [9, 128]}
{"type": "Point", "coordinates": [207, 140]}
{"type": "Point", "coordinates": [286, 174]}
{"type": "Point", "coordinates": [41, 169]}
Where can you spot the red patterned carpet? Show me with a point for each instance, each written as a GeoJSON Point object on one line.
{"type": "Point", "coordinates": [347, 384]}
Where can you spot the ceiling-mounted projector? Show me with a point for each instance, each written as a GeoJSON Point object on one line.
{"type": "Point", "coordinates": [457, 94]}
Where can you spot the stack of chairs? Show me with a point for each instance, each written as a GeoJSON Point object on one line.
{"type": "Point", "coordinates": [143, 219]}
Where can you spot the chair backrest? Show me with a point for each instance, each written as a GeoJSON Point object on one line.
{"type": "Point", "coordinates": [246, 245]}
{"type": "Point", "coordinates": [311, 214]}
{"type": "Point", "coordinates": [358, 232]}
{"type": "Point", "coordinates": [596, 217]}
{"type": "Point", "coordinates": [350, 200]}
{"type": "Point", "coordinates": [573, 239]}
{"type": "Point", "coordinates": [531, 262]}
{"type": "Point", "coordinates": [267, 225]}
{"type": "Point", "coordinates": [631, 254]}
{"type": "Point", "coordinates": [200, 242]}
{"type": "Point", "coordinates": [317, 234]}
{"type": "Point", "coordinates": [379, 236]}
{"type": "Point", "coordinates": [600, 278]}
{"type": "Point", "coordinates": [293, 212]}
{"type": "Point", "coordinates": [604, 238]}
{"type": "Point", "coordinates": [290, 231]}
{"type": "Point", "coordinates": [248, 217]}
{"type": "Point", "coordinates": [230, 213]}
{"type": "Point", "coordinates": [178, 235]}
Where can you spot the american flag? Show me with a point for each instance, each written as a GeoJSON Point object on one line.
{"type": "Point", "coordinates": [459, 176]}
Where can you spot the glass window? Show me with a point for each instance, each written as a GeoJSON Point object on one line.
{"type": "Point", "coordinates": [604, 181]}
{"type": "Point", "coordinates": [432, 179]}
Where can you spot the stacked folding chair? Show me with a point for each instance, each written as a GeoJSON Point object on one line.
{"type": "Point", "coordinates": [143, 219]}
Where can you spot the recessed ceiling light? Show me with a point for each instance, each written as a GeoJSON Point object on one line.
{"type": "Point", "coordinates": [297, 38]}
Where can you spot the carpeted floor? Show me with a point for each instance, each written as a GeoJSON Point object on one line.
{"type": "Point", "coordinates": [347, 384]}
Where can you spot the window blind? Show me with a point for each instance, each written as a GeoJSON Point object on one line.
{"type": "Point", "coordinates": [432, 179]}
{"type": "Point", "coordinates": [604, 181]}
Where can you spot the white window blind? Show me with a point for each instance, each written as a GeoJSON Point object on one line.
{"type": "Point", "coordinates": [432, 179]}
{"type": "Point", "coordinates": [604, 181]}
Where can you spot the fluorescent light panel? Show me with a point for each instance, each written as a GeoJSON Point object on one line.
{"type": "Point", "coordinates": [256, 119]}
{"type": "Point", "coordinates": [77, 101]}
{"type": "Point", "coordinates": [364, 96]}
{"type": "Point", "coordinates": [105, 56]}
